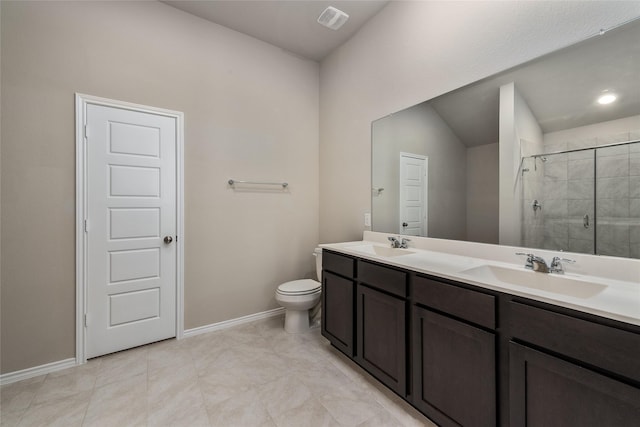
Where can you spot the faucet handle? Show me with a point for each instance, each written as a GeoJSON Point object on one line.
{"type": "Point", "coordinates": [558, 260]}
{"type": "Point", "coordinates": [556, 264]}
{"type": "Point", "coordinates": [404, 243]}
{"type": "Point", "coordinates": [530, 258]}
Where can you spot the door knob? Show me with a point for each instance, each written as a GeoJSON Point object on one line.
{"type": "Point", "coordinates": [168, 239]}
{"type": "Point", "coordinates": [404, 224]}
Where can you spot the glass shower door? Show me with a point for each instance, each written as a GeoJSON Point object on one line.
{"type": "Point", "coordinates": [618, 200]}
{"type": "Point", "coordinates": [585, 201]}
{"type": "Point", "coordinates": [581, 201]}
{"type": "Point", "coordinates": [558, 202]}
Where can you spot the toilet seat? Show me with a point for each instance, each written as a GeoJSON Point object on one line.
{"type": "Point", "coordinates": [299, 287]}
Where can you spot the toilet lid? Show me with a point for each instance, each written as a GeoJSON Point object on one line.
{"type": "Point", "coordinates": [299, 287]}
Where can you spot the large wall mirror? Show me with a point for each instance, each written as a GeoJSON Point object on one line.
{"type": "Point", "coordinates": [544, 155]}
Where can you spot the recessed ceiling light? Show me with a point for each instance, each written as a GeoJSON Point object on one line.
{"type": "Point", "coordinates": [332, 18]}
{"type": "Point", "coordinates": [607, 98]}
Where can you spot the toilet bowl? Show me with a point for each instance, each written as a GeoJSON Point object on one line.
{"type": "Point", "coordinates": [298, 297]}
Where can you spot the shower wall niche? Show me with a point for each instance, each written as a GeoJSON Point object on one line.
{"type": "Point", "coordinates": [584, 196]}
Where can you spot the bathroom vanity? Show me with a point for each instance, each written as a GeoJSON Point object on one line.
{"type": "Point", "coordinates": [467, 349]}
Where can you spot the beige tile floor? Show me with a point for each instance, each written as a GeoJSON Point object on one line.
{"type": "Point", "coordinates": [250, 375]}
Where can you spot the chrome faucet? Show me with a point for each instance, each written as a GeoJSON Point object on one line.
{"type": "Point", "coordinates": [538, 264]}
{"type": "Point", "coordinates": [556, 264]}
{"type": "Point", "coordinates": [535, 263]}
{"type": "Point", "coordinates": [399, 242]}
{"type": "Point", "coordinates": [404, 243]}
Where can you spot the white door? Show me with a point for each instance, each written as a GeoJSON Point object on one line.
{"type": "Point", "coordinates": [131, 228]}
{"type": "Point", "coordinates": [413, 194]}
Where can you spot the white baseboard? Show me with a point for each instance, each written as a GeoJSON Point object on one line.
{"type": "Point", "coordinates": [12, 377]}
{"type": "Point", "coordinates": [35, 371]}
{"type": "Point", "coordinates": [233, 322]}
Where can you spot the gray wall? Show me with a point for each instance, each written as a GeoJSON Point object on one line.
{"type": "Point", "coordinates": [482, 193]}
{"type": "Point", "coordinates": [414, 51]}
{"type": "Point", "coordinates": [251, 112]}
{"type": "Point", "coordinates": [520, 135]}
{"type": "Point", "coordinates": [420, 130]}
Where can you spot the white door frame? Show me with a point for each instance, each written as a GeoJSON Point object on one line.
{"type": "Point", "coordinates": [81, 209]}
{"type": "Point", "coordinates": [425, 205]}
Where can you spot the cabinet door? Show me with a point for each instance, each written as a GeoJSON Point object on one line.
{"type": "Point", "coordinates": [454, 380]}
{"type": "Point", "coordinates": [381, 326]}
{"type": "Point", "coordinates": [548, 391]}
{"type": "Point", "coordinates": [337, 311]}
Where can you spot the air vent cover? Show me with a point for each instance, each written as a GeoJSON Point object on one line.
{"type": "Point", "coordinates": [332, 18]}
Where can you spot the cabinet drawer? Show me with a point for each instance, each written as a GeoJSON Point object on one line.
{"type": "Point", "coordinates": [476, 307]}
{"type": "Point", "coordinates": [383, 278]}
{"type": "Point", "coordinates": [609, 348]}
{"type": "Point", "coordinates": [339, 264]}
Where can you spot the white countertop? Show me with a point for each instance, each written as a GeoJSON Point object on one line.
{"type": "Point", "coordinates": [615, 299]}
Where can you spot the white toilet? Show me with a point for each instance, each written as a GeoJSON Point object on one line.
{"type": "Point", "coordinates": [298, 297]}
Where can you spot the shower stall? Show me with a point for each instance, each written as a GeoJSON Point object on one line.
{"type": "Point", "coordinates": [584, 199]}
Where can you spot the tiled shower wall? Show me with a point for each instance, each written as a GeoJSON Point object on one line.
{"type": "Point", "coordinates": [564, 185]}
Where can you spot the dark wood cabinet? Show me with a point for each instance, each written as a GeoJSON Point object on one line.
{"type": "Point", "coordinates": [453, 371]}
{"type": "Point", "coordinates": [468, 356]}
{"type": "Point", "coordinates": [548, 391]}
{"type": "Point", "coordinates": [381, 330]}
{"type": "Point", "coordinates": [338, 295]}
{"type": "Point", "coordinates": [609, 348]}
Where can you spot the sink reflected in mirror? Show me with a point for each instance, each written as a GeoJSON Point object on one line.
{"type": "Point", "coordinates": [384, 251]}
{"type": "Point", "coordinates": [541, 281]}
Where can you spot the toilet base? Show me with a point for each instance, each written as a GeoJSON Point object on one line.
{"type": "Point", "coordinates": [296, 321]}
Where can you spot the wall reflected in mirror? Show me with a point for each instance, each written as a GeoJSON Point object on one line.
{"type": "Point", "coordinates": [512, 159]}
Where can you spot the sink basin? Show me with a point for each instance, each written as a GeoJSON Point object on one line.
{"type": "Point", "coordinates": [384, 251]}
{"type": "Point", "coordinates": [531, 279]}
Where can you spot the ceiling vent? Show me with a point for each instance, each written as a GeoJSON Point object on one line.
{"type": "Point", "coordinates": [332, 18]}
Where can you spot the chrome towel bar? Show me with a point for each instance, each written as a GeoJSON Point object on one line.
{"type": "Point", "coordinates": [233, 182]}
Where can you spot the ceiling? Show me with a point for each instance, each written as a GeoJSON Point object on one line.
{"type": "Point", "coordinates": [559, 88]}
{"type": "Point", "coordinates": [290, 25]}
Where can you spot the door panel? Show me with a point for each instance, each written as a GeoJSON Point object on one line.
{"type": "Point", "coordinates": [127, 138]}
{"type": "Point", "coordinates": [136, 264]}
{"type": "Point", "coordinates": [134, 223]}
{"type": "Point", "coordinates": [131, 206]}
{"type": "Point", "coordinates": [132, 306]}
{"type": "Point", "coordinates": [130, 181]}
{"type": "Point", "coordinates": [413, 182]}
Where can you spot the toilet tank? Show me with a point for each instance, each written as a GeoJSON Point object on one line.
{"type": "Point", "coordinates": [318, 254]}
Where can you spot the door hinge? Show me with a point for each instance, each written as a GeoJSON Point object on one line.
{"type": "Point", "coordinates": [85, 226]}
{"type": "Point", "coordinates": [86, 321]}
{"type": "Point", "coordinates": [85, 131]}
